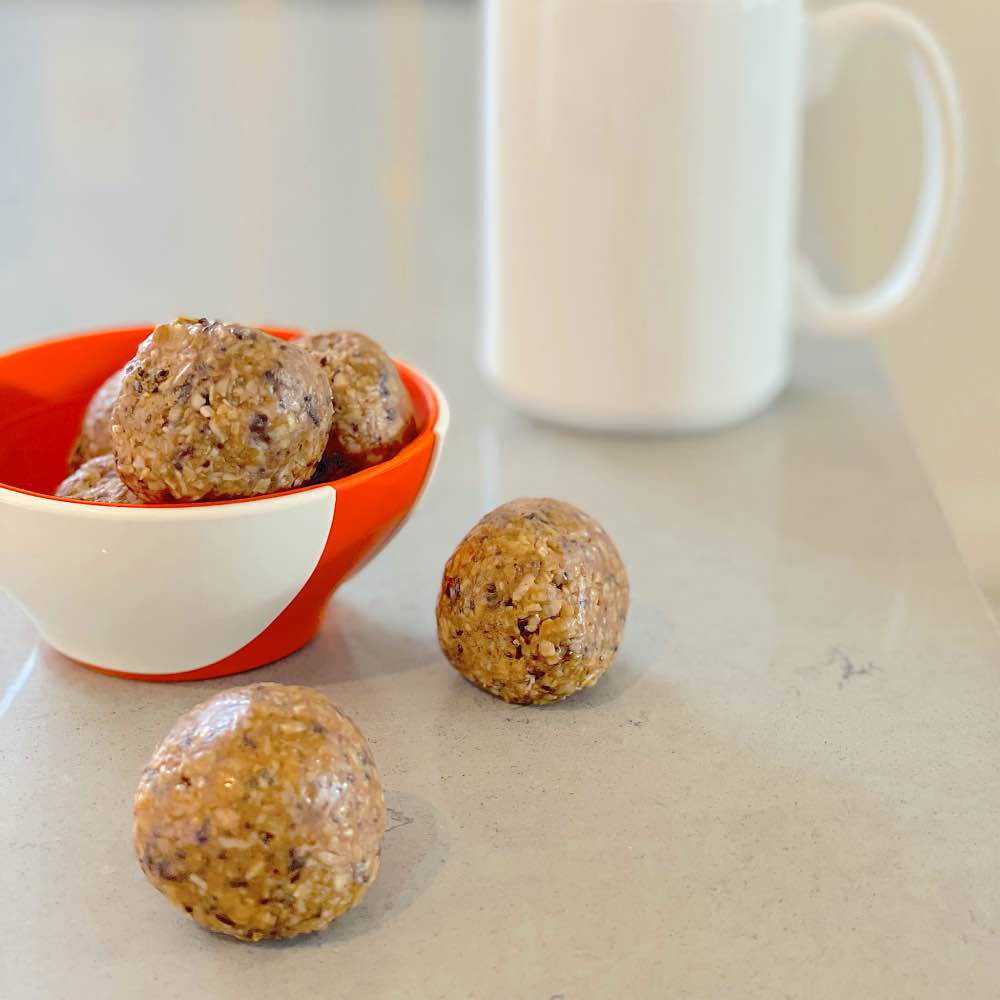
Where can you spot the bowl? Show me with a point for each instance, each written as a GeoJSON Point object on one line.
{"type": "Point", "coordinates": [184, 591]}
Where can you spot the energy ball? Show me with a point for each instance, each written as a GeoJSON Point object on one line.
{"type": "Point", "coordinates": [215, 411]}
{"type": "Point", "coordinates": [372, 411]}
{"type": "Point", "coordinates": [98, 482]}
{"type": "Point", "coordinates": [95, 434]}
{"type": "Point", "coordinates": [261, 814]}
{"type": "Point", "coordinates": [533, 602]}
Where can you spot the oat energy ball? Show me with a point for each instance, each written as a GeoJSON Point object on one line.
{"type": "Point", "coordinates": [261, 813]}
{"type": "Point", "coordinates": [95, 433]}
{"type": "Point", "coordinates": [372, 411]}
{"type": "Point", "coordinates": [533, 602]}
{"type": "Point", "coordinates": [97, 481]}
{"type": "Point", "coordinates": [214, 411]}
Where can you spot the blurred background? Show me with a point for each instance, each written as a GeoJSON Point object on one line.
{"type": "Point", "coordinates": [315, 163]}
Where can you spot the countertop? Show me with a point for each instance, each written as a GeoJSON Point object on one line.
{"type": "Point", "coordinates": [785, 787]}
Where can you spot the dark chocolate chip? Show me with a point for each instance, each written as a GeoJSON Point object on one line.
{"type": "Point", "coordinates": [165, 872]}
{"type": "Point", "coordinates": [258, 427]}
{"type": "Point", "coordinates": [310, 404]}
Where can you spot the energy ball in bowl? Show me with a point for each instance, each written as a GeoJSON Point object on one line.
{"type": "Point", "coordinates": [372, 411]}
{"type": "Point", "coordinates": [261, 813]}
{"type": "Point", "coordinates": [97, 481]}
{"type": "Point", "coordinates": [95, 433]}
{"type": "Point", "coordinates": [533, 602]}
{"type": "Point", "coordinates": [216, 411]}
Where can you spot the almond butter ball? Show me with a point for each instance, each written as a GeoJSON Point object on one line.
{"type": "Point", "coordinates": [372, 411]}
{"type": "Point", "coordinates": [98, 482]}
{"type": "Point", "coordinates": [533, 602]}
{"type": "Point", "coordinates": [261, 814]}
{"type": "Point", "coordinates": [95, 433]}
{"type": "Point", "coordinates": [216, 411]}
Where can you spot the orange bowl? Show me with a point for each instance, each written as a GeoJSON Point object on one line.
{"type": "Point", "coordinates": [190, 590]}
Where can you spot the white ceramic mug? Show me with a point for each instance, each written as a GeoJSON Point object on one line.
{"type": "Point", "coordinates": [642, 161]}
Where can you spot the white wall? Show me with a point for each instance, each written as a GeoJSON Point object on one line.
{"type": "Point", "coordinates": [270, 160]}
{"type": "Point", "coordinates": [179, 156]}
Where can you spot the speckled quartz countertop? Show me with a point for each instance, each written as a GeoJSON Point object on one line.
{"type": "Point", "coordinates": [786, 787]}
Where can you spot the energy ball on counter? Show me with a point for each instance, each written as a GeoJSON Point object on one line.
{"type": "Point", "coordinates": [97, 481]}
{"type": "Point", "coordinates": [533, 602]}
{"type": "Point", "coordinates": [372, 411]}
{"type": "Point", "coordinates": [216, 411]}
{"type": "Point", "coordinates": [261, 814]}
{"type": "Point", "coordinates": [95, 433]}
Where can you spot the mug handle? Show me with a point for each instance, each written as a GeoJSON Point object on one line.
{"type": "Point", "coordinates": [832, 33]}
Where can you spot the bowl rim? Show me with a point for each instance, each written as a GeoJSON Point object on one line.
{"type": "Point", "coordinates": [436, 425]}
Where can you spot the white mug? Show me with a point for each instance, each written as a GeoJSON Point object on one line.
{"type": "Point", "coordinates": [642, 161]}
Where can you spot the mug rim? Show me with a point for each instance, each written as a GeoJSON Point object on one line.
{"type": "Point", "coordinates": [429, 392]}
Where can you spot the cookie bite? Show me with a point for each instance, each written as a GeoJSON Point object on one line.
{"type": "Point", "coordinates": [261, 813]}
{"type": "Point", "coordinates": [533, 602]}
{"type": "Point", "coordinates": [97, 481]}
{"type": "Point", "coordinates": [372, 410]}
{"type": "Point", "coordinates": [95, 431]}
{"type": "Point", "coordinates": [217, 411]}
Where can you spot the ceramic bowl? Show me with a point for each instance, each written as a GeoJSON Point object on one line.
{"type": "Point", "coordinates": [191, 590]}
